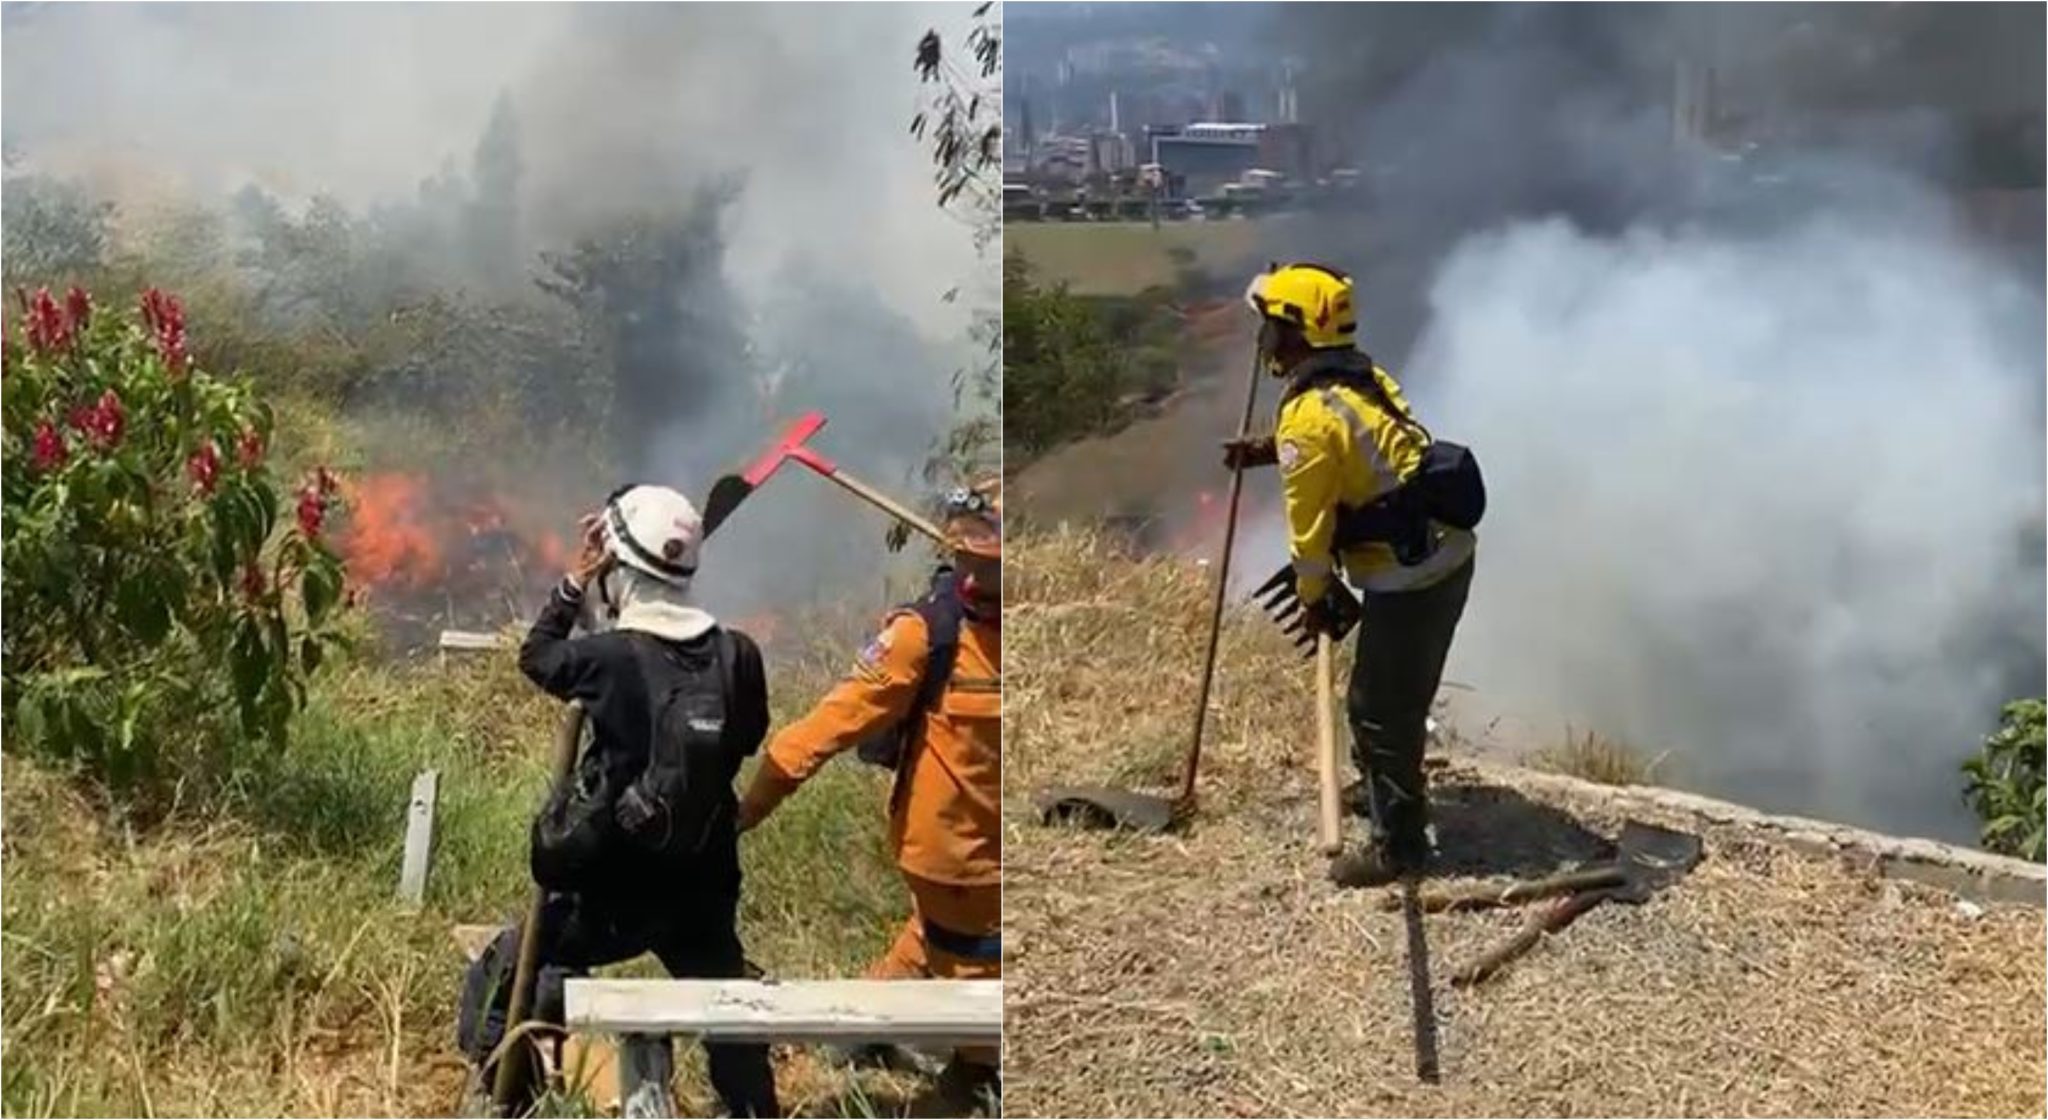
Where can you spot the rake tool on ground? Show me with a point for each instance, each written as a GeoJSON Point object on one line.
{"type": "Point", "coordinates": [1111, 807]}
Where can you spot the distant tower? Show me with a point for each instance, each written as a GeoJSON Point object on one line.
{"type": "Point", "coordinates": [1285, 109]}
{"type": "Point", "coordinates": [1114, 125]}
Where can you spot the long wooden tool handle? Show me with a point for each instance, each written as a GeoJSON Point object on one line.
{"type": "Point", "coordinates": [887, 505]}
{"type": "Point", "coordinates": [1540, 924]}
{"type": "Point", "coordinates": [1513, 894]}
{"type": "Point", "coordinates": [1194, 758]}
{"type": "Point", "coordinates": [1329, 824]}
{"type": "Point", "coordinates": [506, 1078]}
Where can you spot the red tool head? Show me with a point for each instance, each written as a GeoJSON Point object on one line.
{"type": "Point", "coordinates": [791, 446]}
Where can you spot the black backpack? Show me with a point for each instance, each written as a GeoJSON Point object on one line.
{"type": "Point", "coordinates": [668, 811]}
{"type": "Point", "coordinates": [942, 611]}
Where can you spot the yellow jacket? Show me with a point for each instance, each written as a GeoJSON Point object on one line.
{"type": "Point", "coordinates": [1338, 446]}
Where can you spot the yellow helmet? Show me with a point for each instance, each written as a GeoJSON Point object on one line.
{"type": "Point", "coordinates": [1312, 297]}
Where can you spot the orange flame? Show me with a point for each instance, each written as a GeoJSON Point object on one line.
{"type": "Point", "coordinates": [388, 539]}
{"type": "Point", "coordinates": [404, 534]}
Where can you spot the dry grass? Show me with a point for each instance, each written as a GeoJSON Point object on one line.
{"type": "Point", "coordinates": [1215, 972]}
{"type": "Point", "coordinates": [250, 958]}
{"type": "Point", "coordinates": [1596, 758]}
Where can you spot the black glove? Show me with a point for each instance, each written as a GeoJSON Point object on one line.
{"type": "Point", "coordinates": [1333, 614]}
{"type": "Point", "coordinates": [1249, 452]}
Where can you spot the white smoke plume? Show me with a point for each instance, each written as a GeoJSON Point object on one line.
{"type": "Point", "coordinates": [1761, 502]}
{"type": "Point", "coordinates": [1759, 400]}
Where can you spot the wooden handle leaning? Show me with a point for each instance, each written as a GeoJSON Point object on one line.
{"type": "Point", "coordinates": [887, 505]}
{"type": "Point", "coordinates": [1486, 896]}
{"type": "Point", "coordinates": [505, 1079]}
{"type": "Point", "coordinates": [1330, 831]}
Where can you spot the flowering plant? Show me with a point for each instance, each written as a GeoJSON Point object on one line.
{"type": "Point", "coordinates": [150, 582]}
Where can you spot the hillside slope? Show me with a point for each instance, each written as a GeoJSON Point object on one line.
{"type": "Point", "coordinates": [1215, 972]}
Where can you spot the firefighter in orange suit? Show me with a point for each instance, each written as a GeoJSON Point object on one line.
{"type": "Point", "coordinates": [925, 697]}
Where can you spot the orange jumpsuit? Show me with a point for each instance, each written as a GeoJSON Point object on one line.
{"type": "Point", "coordinates": [945, 810]}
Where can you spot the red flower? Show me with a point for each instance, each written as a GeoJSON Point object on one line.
{"type": "Point", "coordinates": [253, 583]}
{"type": "Point", "coordinates": [78, 303]}
{"type": "Point", "coordinates": [166, 318]}
{"type": "Point", "coordinates": [105, 421]}
{"type": "Point", "coordinates": [249, 449]}
{"type": "Point", "coordinates": [326, 481]}
{"type": "Point", "coordinates": [50, 451]}
{"type": "Point", "coordinates": [204, 467]}
{"type": "Point", "coordinates": [48, 327]}
{"type": "Point", "coordinates": [312, 510]}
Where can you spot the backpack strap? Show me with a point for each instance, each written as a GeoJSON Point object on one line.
{"type": "Point", "coordinates": [942, 612]}
{"type": "Point", "coordinates": [725, 651]}
{"type": "Point", "coordinates": [1354, 371]}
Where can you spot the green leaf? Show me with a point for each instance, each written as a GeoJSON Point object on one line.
{"type": "Point", "coordinates": [142, 610]}
{"type": "Point", "coordinates": [249, 663]}
{"type": "Point", "coordinates": [321, 586]}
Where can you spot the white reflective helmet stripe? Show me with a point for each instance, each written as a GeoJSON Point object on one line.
{"type": "Point", "coordinates": [623, 534]}
{"type": "Point", "coordinates": [656, 531]}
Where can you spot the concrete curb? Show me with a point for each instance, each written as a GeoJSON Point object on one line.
{"type": "Point", "coordinates": [1972, 874]}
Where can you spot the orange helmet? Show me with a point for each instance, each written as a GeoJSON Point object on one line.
{"type": "Point", "coordinates": [974, 519]}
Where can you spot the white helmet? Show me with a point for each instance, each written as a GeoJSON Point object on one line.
{"type": "Point", "coordinates": [654, 530]}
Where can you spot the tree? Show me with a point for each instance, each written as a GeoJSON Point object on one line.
{"type": "Point", "coordinates": [650, 294]}
{"type": "Point", "coordinates": [54, 231]}
{"type": "Point", "coordinates": [962, 122]}
{"type": "Point", "coordinates": [1063, 372]}
{"type": "Point", "coordinates": [491, 220]}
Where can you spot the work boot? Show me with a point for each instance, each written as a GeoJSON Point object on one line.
{"type": "Point", "coordinates": [885, 1056]}
{"type": "Point", "coordinates": [970, 1088]}
{"type": "Point", "coordinates": [1357, 799]}
{"type": "Point", "coordinates": [1376, 864]}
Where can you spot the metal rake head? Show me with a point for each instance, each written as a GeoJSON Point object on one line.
{"type": "Point", "coordinates": [1282, 602]}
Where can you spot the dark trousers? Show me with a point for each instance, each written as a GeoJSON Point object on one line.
{"type": "Point", "coordinates": [1403, 639]}
{"type": "Point", "coordinates": [695, 938]}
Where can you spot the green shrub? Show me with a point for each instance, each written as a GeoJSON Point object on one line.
{"type": "Point", "coordinates": [2005, 783]}
{"type": "Point", "coordinates": [1075, 366]}
{"type": "Point", "coordinates": [153, 590]}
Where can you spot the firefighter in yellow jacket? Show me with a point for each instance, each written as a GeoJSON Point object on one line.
{"type": "Point", "coordinates": [1370, 497]}
{"type": "Point", "coordinates": [927, 691]}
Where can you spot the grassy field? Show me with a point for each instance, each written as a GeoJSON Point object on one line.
{"type": "Point", "coordinates": [1118, 258]}
{"type": "Point", "coordinates": [1216, 972]}
{"type": "Point", "coordinates": [249, 957]}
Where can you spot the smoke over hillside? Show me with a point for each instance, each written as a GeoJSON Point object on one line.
{"type": "Point", "coordinates": [1760, 405]}
{"type": "Point", "coordinates": [724, 196]}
